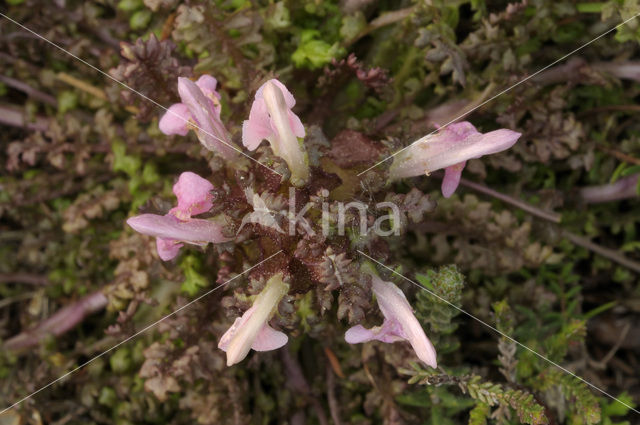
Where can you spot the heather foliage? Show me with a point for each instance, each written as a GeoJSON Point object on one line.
{"type": "Point", "coordinates": [308, 286]}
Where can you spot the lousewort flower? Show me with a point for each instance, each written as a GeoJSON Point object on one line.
{"type": "Point", "coordinates": [271, 118]}
{"type": "Point", "coordinates": [450, 149]}
{"type": "Point", "coordinates": [199, 110]}
{"type": "Point", "coordinates": [177, 226]}
{"type": "Point", "coordinates": [399, 323]}
{"type": "Point", "coordinates": [252, 330]}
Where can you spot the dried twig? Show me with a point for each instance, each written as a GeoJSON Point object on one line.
{"type": "Point", "coordinates": [604, 252]}
{"type": "Point", "coordinates": [29, 91]}
{"type": "Point", "coordinates": [29, 279]}
{"type": "Point", "coordinates": [547, 215]}
{"type": "Point", "coordinates": [334, 407]}
{"type": "Point", "coordinates": [556, 218]}
{"type": "Point", "coordinates": [602, 364]}
{"type": "Point", "coordinates": [297, 382]}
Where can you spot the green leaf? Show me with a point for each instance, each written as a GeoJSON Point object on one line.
{"type": "Point", "coordinates": [67, 101]}
{"type": "Point", "coordinates": [417, 399]}
{"type": "Point", "coordinates": [193, 280]}
{"type": "Point", "coordinates": [352, 25]}
{"type": "Point", "coordinates": [120, 361]}
{"type": "Point", "coordinates": [123, 162]}
{"type": "Point", "coordinates": [312, 53]}
{"type": "Point", "coordinates": [130, 5]}
{"type": "Point", "coordinates": [140, 19]}
{"type": "Point", "coordinates": [107, 397]}
{"type": "Point", "coordinates": [478, 415]}
{"type": "Point", "coordinates": [617, 408]}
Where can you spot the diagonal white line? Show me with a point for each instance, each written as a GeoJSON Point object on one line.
{"type": "Point", "coordinates": [499, 332]}
{"type": "Point", "coordinates": [134, 90]}
{"type": "Point", "coordinates": [136, 334]}
{"type": "Point", "coordinates": [501, 93]}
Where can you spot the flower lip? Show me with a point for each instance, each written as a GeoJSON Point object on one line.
{"type": "Point", "coordinates": [168, 249]}
{"type": "Point", "coordinates": [200, 110]}
{"type": "Point", "coordinates": [175, 120]}
{"type": "Point", "coordinates": [194, 195]}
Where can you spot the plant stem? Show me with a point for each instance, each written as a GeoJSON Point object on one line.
{"type": "Point", "coordinates": [29, 91]}
{"type": "Point", "coordinates": [546, 215]}
{"type": "Point", "coordinates": [610, 254]}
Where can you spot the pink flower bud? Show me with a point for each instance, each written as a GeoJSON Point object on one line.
{"type": "Point", "coordinates": [200, 108]}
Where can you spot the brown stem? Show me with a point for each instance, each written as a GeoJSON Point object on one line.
{"type": "Point", "coordinates": [297, 383]}
{"type": "Point", "coordinates": [29, 91]}
{"type": "Point", "coordinates": [602, 364]}
{"type": "Point", "coordinates": [620, 155]}
{"type": "Point", "coordinates": [573, 69]}
{"type": "Point", "coordinates": [546, 215]}
{"type": "Point", "coordinates": [610, 254]}
{"type": "Point", "coordinates": [607, 108]}
{"type": "Point", "coordinates": [383, 20]}
{"type": "Point", "coordinates": [334, 407]}
{"type": "Point", "coordinates": [29, 279]}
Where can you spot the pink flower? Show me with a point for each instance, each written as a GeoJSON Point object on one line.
{"type": "Point", "coordinates": [399, 323]}
{"type": "Point", "coordinates": [450, 149]}
{"type": "Point", "coordinates": [252, 330]}
{"type": "Point", "coordinates": [271, 118]}
{"type": "Point", "coordinates": [177, 226]}
{"type": "Point", "coordinates": [194, 195]}
{"type": "Point", "coordinates": [199, 110]}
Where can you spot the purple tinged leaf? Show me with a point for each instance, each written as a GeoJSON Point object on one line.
{"type": "Point", "coordinates": [59, 323]}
